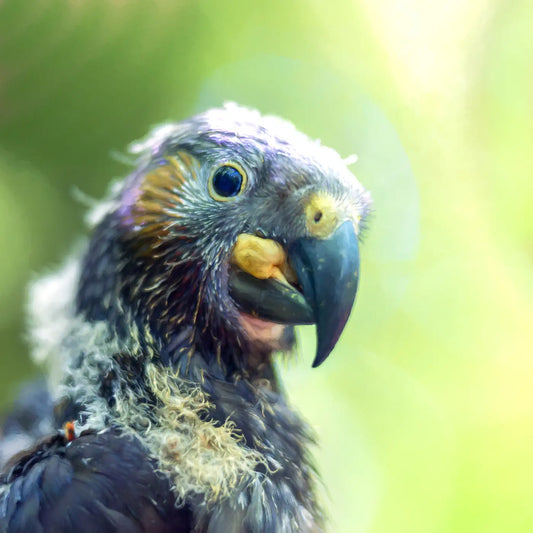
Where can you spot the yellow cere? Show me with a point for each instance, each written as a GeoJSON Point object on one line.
{"type": "Point", "coordinates": [321, 215]}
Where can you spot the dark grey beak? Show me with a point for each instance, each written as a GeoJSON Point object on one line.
{"type": "Point", "coordinates": [270, 299]}
{"type": "Point", "coordinates": [328, 271]}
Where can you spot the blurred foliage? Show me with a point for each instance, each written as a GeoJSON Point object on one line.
{"type": "Point", "coordinates": [425, 411]}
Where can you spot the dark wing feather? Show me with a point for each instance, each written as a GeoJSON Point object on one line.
{"type": "Point", "coordinates": [101, 482]}
{"type": "Point", "coordinates": [30, 419]}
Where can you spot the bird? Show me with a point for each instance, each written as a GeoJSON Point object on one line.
{"type": "Point", "coordinates": [162, 408]}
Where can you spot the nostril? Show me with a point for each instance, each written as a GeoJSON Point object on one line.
{"type": "Point", "coordinates": [321, 215]}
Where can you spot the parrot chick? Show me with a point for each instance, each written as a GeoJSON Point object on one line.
{"type": "Point", "coordinates": [159, 337]}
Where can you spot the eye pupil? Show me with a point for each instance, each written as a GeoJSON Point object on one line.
{"type": "Point", "coordinates": [227, 181]}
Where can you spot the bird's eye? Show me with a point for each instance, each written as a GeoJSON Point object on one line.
{"type": "Point", "coordinates": [227, 182]}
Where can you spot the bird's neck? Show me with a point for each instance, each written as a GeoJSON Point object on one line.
{"type": "Point", "coordinates": [229, 437]}
{"type": "Point", "coordinates": [225, 437]}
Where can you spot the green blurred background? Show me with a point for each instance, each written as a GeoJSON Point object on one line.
{"type": "Point", "coordinates": [425, 410]}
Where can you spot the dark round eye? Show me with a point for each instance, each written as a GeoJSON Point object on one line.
{"type": "Point", "coordinates": [227, 182]}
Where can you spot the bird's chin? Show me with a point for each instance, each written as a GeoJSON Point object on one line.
{"type": "Point", "coordinates": [265, 334]}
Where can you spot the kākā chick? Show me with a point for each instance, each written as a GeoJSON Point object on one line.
{"type": "Point", "coordinates": [162, 409]}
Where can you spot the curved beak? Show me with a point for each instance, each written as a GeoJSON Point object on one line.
{"type": "Point", "coordinates": [328, 271]}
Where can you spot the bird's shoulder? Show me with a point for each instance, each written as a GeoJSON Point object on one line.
{"type": "Point", "coordinates": [101, 481]}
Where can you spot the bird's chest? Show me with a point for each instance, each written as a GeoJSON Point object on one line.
{"type": "Point", "coordinates": [277, 493]}
{"type": "Point", "coordinates": [241, 466]}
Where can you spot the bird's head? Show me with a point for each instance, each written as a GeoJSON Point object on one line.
{"type": "Point", "coordinates": [233, 228]}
